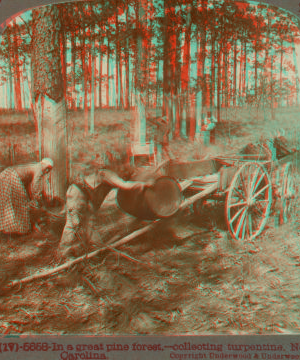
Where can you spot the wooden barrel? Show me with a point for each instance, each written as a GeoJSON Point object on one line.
{"type": "Point", "coordinates": [158, 201]}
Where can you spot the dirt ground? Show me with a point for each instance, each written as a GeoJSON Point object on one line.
{"type": "Point", "coordinates": [188, 276]}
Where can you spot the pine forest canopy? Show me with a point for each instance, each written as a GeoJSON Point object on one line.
{"type": "Point", "coordinates": [206, 53]}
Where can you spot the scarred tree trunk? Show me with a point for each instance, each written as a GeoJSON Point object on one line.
{"type": "Point", "coordinates": [49, 102]}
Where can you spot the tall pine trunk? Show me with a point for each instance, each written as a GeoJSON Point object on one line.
{"type": "Point", "coordinates": [281, 69]}
{"type": "Point", "coordinates": [107, 72]}
{"type": "Point", "coordinates": [212, 79]}
{"type": "Point", "coordinates": [186, 76]}
{"type": "Point", "coordinates": [100, 70]}
{"type": "Point", "coordinates": [219, 83]}
{"type": "Point", "coordinates": [10, 68]}
{"type": "Point", "coordinates": [235, 73]}
{"type": "Point", "coordinates": [127, 65]}
{"type": "Point", "coordinates": [49, 97]}
{"type": "Point", "coordinates": [16, 62]}
{"type": "Point", "coordinates": [84, 81]}
{"type": "Point", "coordinates": [117, 69]}
{"type": "Point", "coordinates": [245, 87]}
{"type": "Point", "coordinates": [296, 71]}
{"type": "Point", "coordinates": [200, 97]}
{"type": "Point", "coordinates": [63, 54]}
{"type": "Point", "coordinates": [73, 66]}
{"type": "Point", "coordinates": [92, 96]}
{"type": "Point", "coordinates": [177, 90]}
{"type": "Point", "coordinates": [140, 114]}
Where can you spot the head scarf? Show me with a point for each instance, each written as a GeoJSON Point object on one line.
{"type": "Point", "coordinates": [47, 162]}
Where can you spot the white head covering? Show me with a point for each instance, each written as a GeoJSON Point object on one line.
{"type": "Point", "coordinates": [47, 162]}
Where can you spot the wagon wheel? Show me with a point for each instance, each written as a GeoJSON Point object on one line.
{"type": "Point", "coordinates": [287, 192]}
{"type": "Point", "coordinates": [248, 202]}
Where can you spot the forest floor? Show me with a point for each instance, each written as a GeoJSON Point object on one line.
{"type": "Point", "coordinates": [190, 278]}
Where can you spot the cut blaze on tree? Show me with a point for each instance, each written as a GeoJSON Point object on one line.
{"type": "Point", "coordinates": [49, 102]}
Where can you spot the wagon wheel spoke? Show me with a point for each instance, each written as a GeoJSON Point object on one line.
{"type": "Point", "coordinates": [257, 184]}
{"type": "Point", "coordinates": [239, 193]}
{"type": "Point", "coordinates": [252, 180]}
{"type": "Point", "coordinates": [240, 223]}
{"type": "Point", "coordinates": [249, 224]}
{"type": "Point", "coordinates": [256, 211]}
{"type": "Point", "coordinates": [243, 183]}
{"type": "Point", "coordinates": [260, 191]}
{"type": "Point", "coordinates": [236, 215]}
{"type": "Point", "coordinates": [238, 204]}
{"type": "Point", "coordinates": [244, 226]}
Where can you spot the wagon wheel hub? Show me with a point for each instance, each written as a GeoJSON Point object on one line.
{"type": "Point", "coordinates": [250, 202]}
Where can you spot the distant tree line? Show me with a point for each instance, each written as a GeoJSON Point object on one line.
{"type": "Point", "coordinates": [185, 57]}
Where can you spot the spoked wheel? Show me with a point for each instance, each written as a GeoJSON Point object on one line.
{"type": "Point", "coordinates": [248, 202]}
{"type": "Point", "coordinates": [287, 192]}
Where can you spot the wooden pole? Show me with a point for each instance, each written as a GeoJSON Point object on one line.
{"type": "Point", "coordinates": [46, 273]}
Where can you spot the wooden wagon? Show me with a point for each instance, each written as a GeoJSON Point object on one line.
{"type": "Point", "coordinates": [248, 184]}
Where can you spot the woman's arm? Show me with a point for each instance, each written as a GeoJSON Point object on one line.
{"type": "Point", "coordinates": [36, 187]}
